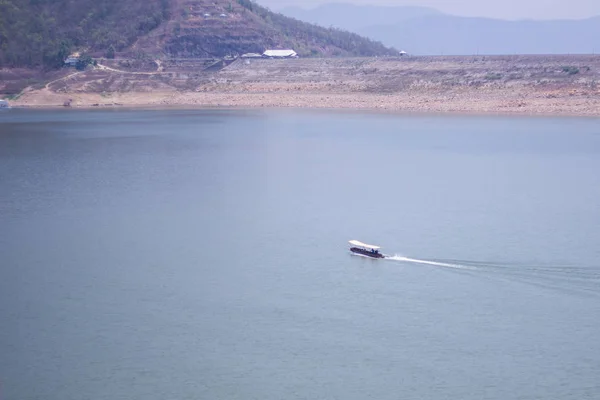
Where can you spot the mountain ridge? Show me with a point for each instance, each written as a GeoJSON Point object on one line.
{"type": "Point", "coordinates": [353, 17]}
{"type": "Point", "coordinates": [435, 33]}
{"type": "Point", "coordinates": [487, 36]}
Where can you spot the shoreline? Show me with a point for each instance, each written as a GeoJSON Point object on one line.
{"type": "Point", "coordinates": [351, 102]}
{"type": "Point", "coordinates": [463, 85]}
{"type": "Point", "coordinates": [187, 107]}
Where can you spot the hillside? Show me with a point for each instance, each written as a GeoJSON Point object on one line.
{"type": "Point", "coordinates": [43, 32]}
{"type": "Point", "coordinates": [37, 33]}
{"type": "Point", "coordinates": [423, 31]}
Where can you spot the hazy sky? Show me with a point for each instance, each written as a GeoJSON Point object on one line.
{"type": "Point", "coordinates": [506, 9]}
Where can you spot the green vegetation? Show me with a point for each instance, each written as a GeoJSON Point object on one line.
{"type": "Point", "coordinates": [84, 61]}
{"type": "Point", "coordinates": [110, 53]}
{"type": "Point", "coordinates": [12, 97]}
{"type": "Point", "coordinates": [571, 70]}
{"type": "Point", "coordinates": [247, 4]}
{"type": "Point", "coordinates": [493, 77]}
{"type": "Point", "coordinates": [42, 33]}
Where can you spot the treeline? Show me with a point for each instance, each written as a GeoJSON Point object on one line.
{"type": "Point", "coordinates": [42, 33]}
{"type": "Point", "coordinates": [308, 38]}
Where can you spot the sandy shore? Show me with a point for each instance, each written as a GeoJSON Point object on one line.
{"type": "Point", "coordinates": [524, 86]}
{"type": "Point", "coordinates": [468, 103]}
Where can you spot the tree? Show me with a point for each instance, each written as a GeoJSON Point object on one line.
{"type": "Point", "coordinates": [83, 62]}
{"type": "Point", "coordinates": [110, 53]}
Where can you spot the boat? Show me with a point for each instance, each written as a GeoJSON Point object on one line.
{"type": "Point", "coordinates": [364, 249]}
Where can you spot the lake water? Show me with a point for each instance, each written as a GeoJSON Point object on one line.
{"type": "Point", "coordinates": [186, 254]}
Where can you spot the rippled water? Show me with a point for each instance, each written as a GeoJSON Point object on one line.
{"type": "Point", "coordinates": [202, 254]}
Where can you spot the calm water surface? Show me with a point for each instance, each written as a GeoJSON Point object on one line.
{"type": "Point", "coordinates": [202, 255]}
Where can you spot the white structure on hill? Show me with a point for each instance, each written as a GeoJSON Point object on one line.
{"type": "Point", "coordinates": [280, 54]}
{"type": "Point", "coordinates": [72, 60]}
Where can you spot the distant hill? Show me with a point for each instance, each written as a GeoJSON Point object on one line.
{"type": "Point", "coordinates": [464, 36]}
{"type": "Point", "coordinates": [356, 17]}
{"type": "Point", "coordinates": [424, 31]}
{"type": "Point", "coordinates": [43, 32]}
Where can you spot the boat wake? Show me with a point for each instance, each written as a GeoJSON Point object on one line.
{"type": "Point", "coordinates": [427, 262]}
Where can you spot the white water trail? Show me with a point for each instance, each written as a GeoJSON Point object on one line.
{"type": "Point", "coordinates": [427, 262]}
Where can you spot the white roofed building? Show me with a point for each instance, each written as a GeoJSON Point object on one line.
{"type": "Point", "coordinates": [72, 60]}
{"type": "Point", "coordinates": [280, 54]}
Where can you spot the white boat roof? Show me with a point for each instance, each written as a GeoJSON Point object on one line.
{"type": "Point", "coordinates": [280, 53]}
{"type": "Point", "coordinates": [361, 244]}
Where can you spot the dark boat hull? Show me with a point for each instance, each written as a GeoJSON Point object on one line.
{"type": "Point", "coordinates": [367, 253]}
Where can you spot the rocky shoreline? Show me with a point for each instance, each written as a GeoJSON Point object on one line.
{"type": "Point", "coordinates": [467, 104]}
{"type": "Point", "coordinates": [534, 85]}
